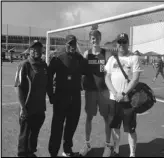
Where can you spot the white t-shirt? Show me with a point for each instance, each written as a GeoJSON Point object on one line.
{"type": "Point", "coordinates": [130, 63]}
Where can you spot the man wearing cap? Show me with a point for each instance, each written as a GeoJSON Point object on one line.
{"type": "Point", "coordinates": [68, 67]}
{"type": "Point", "coordinates": [96, 91]}
{"type": "Point", "coordinates": [120, 108]}
{"type": "Point", "coordinates": [31, 82]}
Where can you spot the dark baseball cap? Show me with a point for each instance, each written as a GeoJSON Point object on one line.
{"type": "Point", "coordinates": [94, 33]}
{"type": "Point", "coordinates": [36, 43]}
{"type": "Point", "coordinates": [123, 37]}
{"type": "Point", "coordinates": [71, 38]}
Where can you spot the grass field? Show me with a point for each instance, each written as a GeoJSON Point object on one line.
{"type": "Point", "coordinates": [150, 125]}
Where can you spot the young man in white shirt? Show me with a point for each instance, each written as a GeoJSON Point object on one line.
{"type": "Point", "coordinates": [96, 91]}
{"type": "Point", "coordinates": [120, 108]}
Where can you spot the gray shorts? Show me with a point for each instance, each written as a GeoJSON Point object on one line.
{"type": "Point", "coordinates": [95, 99]}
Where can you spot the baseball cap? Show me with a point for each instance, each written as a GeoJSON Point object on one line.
{"type": "Point", "coordinates": [36, 43]}
{"type": "Point", "coordinates": [94, 33]}
{"type": "Point", "coordinates": [122, 37]}
{"type": "Point", "coordinates": [71, 38]}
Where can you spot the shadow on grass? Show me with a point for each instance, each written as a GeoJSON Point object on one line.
{"type": "Point", "coordinates": [95, 152]}
{"type": "Point", "coordinates": [155, 148]}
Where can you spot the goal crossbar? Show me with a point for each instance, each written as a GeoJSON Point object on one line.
{"type": "Point", "coordinates": [105, 20]}
{"type": "Point", "coordinates": [113, 18]}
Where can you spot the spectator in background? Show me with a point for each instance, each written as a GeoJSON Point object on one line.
{"type": "Point", "coordinates": [153, 62]}
{"type": "Point", "coordinates": [159, 65]}
{"type": "Point", "coordinates": [11, 56]}
{"type": "Point", "coordinates": [31, 83]}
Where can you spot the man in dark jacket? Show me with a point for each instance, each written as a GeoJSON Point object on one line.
{"type": "Point", "coordinates": [68, 68]}
{"type": "Point", "coordinates": [31, 83]}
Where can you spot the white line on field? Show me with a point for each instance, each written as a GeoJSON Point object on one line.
{"type": "Point", "coordinates": [160, 100]}
{"type": "Point", "coordinates": [13, 86]}
{"type": "Point", "coordinates": [143, 113]}
{"type": "Point", "coordinates": [8, 86]}
{"type": "Point", "coordinates": [158, 88]}
{"type": "Point", "coordinates": [13, 103]}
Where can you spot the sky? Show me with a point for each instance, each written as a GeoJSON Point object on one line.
{"type": "Point", "coordinates": [55, 15]}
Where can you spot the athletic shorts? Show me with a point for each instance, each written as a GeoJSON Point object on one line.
{"type": "Point", "coordinates": [158, 71]}
{"type": "Point", "coordinates": [122, 112]}
{"type": "Point", "coordinates": [95, 100]}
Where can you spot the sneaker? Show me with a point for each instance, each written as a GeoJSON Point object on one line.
{"type": "Point", "coordinates": [114, 154]}
{"type": "Point", "coordinates": [107, 150]}
{"type": "Point", "coordinates": [132, 155]}
{"type": "Point", "coordinates": [85, 150]}
{"type": "Point", "coordinates": [69, 154]}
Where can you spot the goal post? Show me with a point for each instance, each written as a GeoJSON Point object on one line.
{"type": "Point", "coordinates": [109, 28]}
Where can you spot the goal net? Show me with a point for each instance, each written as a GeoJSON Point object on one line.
{"type": "Point", "coordinates": [145, 29]}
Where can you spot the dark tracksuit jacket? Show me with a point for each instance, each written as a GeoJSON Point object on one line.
{"type": "Point", "coordinates": [66, 100]}
{"type": "Point", "coordinates": [32, 78]}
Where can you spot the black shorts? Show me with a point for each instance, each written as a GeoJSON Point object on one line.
{"type": "Point", "coordinates": [122, 112]}
{"type": "Point", "coordinates": [95, 100]}
{"type": "Point", "coordinates": [158, 71]}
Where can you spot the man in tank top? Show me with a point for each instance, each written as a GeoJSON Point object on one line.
{"type": "Point", "coordinates": [96, 92]}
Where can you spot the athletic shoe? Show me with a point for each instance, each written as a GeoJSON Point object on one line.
{"type": "Point", "coordinates": [69, 154]}
{"type": "Point", "coordinates": [107, 150]}
{"type": "Point", "coordinates": [132, 155]}
{"type": "Point", "coordinates": [85, 149]}
{"type": "Point", "coordinates": [114, 154]}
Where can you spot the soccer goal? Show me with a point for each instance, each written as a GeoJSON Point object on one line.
{"type": "Point", "coordinates": [110, 28]}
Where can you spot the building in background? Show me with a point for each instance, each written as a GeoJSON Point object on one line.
{"type": "Point", "coordinates": [21, 43]}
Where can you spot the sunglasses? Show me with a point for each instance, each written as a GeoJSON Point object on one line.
{"type": "Point", "coordinates": [122, 42]}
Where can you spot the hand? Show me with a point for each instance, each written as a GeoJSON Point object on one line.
{"type": "Point", "coordinates": [126, 98]}
{"type": "Point", "coordinates": [119, 97]}
{"type": "Point", "coordinates": [23, 113]}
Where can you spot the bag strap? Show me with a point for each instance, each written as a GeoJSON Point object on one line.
{"type": "Point", "coordinates": [118, 61]}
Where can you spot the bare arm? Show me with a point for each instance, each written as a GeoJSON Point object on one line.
{"type": "Point", "coordinates": [136, 66]}
{"type": "Point", "coordinates": [108, 77]}
{"type": "Point", "coordinates": [133, 82]}
{"type": "Point", "coordinates": [109, 84]}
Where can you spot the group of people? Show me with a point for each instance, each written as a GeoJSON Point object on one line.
{"type": "Point", "coordinates": [98, 74]}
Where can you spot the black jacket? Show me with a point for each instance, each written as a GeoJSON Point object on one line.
{"type": "Point", "coordinates": [68, 69]}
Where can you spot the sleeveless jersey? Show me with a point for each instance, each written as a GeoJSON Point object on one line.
{"type": "Point", "coordinates": [96, 79]}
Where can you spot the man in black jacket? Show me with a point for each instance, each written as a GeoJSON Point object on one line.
{"type": "Point", "coordinates": [66, 100]}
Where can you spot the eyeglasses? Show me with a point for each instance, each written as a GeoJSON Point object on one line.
{"type": "Point", "coordinates": [122, 42]}
{"type": "Point", "coordinates": [71, 44]}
